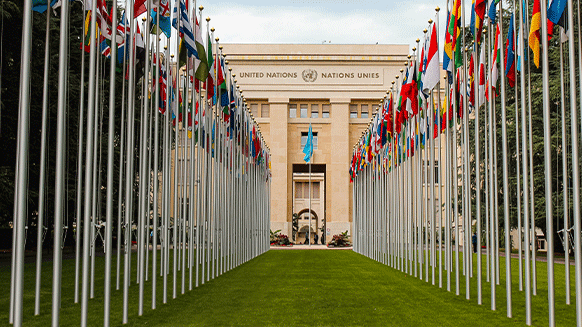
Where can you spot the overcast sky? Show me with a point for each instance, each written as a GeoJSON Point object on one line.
{"type": "Point", "coordinates": [315, 21]}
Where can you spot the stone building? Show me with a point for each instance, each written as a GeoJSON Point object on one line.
{"type": "Point", "coordinates": [336, 88]}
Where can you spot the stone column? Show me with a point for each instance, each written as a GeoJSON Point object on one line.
{"type": "Point", "coordinates": [338, 179]}
{"type": "Point", "coordinates": [279, 164]}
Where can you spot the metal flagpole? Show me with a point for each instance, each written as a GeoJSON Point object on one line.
{"type": "Point", "coordinates": [166, 180]}
{"type": "Point", "coordinates": [431, 237]}
{"type": "Point", "coordinates": [60, 163]}
{"type": "Point", "coordinates": [80, 172]}
{"type": "Point", "coordinates": [455, 179]}
{"type": "Point", "coordinates": [448, 184]}
{"type": "Point", "coordinates": [21, 182]}
{"type": "Point", "coordinates": [531, 170]}
{"type": "Point", "coordinates": [518, 169]}
{"type": "Point", "coordinates": [144, 203]}
{"type": "Point", "coordinates": [120, 208]}
{"type": "Point", "coordinates": [465, 165]}
{"type": "Point", "coordinates": [575, 166]}
{"type": "Point", "coordinates": [88, 168]}
{"type": "Point", "coordinates": [216, 167]}
{"type": "Point", "coordinates": [505, 177]}
{"type": "Point", "coordinates": [478, 170]}
{"type": "Point", "coordinates": [110, 162]}
{"type": "Point", "coordinates": [547, 168]}
{"type": "Point", "coordinates": [486, 169]}
{"type": "Point", "coordinates": [525, 177]}
{"type": "Point", "coordinates": [41, 195]}
{"type": "Point", "coordinates": [310, 157]}
{"type": "Point", "coordinates": [565, 174]}
{"type": "Point", "coordinates": [192, 179]}
{"type": "Point", "coordinates": [199, 162]}
{"type": "Point", "coordinates": [129, 168]}
{"type": "Point", "coordinates": [439, 169]}
{"type": "Point", "coordinates": [156, 175]}
{"type": "Point", "coordinates": [149, 156]}
{"type": "Point", "coordinates": [96, 168]}
{"type": "Point", "coordinates": [492, 180]}
{"type": "Point", "coordinates": [176, 169]}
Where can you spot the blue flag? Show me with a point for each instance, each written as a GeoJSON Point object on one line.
{"type": "Point", "coordinates": [308, 149]}
{"type": "Point", "coordinates": [493, 10]}
{"type": "Point", "coordinates": [556, 10]}
{"type": "Point", "coordinates": [164, 23]}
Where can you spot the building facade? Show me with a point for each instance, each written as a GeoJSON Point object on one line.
{"type": "Point", "coordinates": [336, 88]}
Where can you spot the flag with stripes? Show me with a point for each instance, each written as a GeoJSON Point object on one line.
{"type": "Point", "coordinates": [185, 28]}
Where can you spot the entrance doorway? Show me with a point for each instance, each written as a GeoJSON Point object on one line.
{"type": "Point", "coordinates": [301, 196]}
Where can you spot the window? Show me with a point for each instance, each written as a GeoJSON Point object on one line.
{"type": "Point", "coordinates": [308, 109]}
{"type": "Point", "coordinates": [436, 176]}
{"type": "Point", "coordinates": [265, 110]}
{"type": "Point", "coordinates": [314, 111]}
{"type": "Point", "coordinates": [315, 190]}
{"type": "Point", "coordinates": [364, 110]}
{"type": "Point", "coordinates": [353, 111]}
{"type": "Point", "coordinates": [255, 109]}
{"type": "Point", "coordinates": [304, 140]}
{"type": "Point", "coordinates": [325, 111]}
{"type": "Point", "coordinates": [292, 111]}
{"type": "Point", "coordinates": [303, 110]}
{"type": "Point", "coordinates": [302, 191]}
{"type": "Point", "coordinates": [298, 190]}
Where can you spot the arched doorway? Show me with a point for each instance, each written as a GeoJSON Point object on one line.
{"type": "Point", "coordinates": [304, 227]}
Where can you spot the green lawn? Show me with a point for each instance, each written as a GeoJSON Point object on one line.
{"type": "Point", "coordinates": [283, 288]}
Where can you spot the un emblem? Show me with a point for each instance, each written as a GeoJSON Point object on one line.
{"type": "Point", "coordinates": [309, 75]}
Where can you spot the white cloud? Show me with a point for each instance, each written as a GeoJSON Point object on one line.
{"type": "Point", "coordinates": [399, 23]}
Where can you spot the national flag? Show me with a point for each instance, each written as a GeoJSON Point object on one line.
{"type": "Point", "coordinates": [448, 48]}
{"type": "Point", "coordinates": [496, 59]}
{"type": "Point", "coordinates": [410, 92]}
{"type": "Point", "coordinates": [123, 34]}
{"type": "Point", "coordinates": [211, 73]}
{"type": "Point", "coordinates": [163, 87]}
{"type": "Point", "coordinates": [471, 84]}
{"type": "Point", "coordinates": [432, 75]}
{"type": "Point", "coordinates": [85, 45]}
{"type": "Point", "coordinates": [455, 30]}
{"type": "Point", "coordinates": [376, 140]}
{"type": "Point", "coordinates": [477, 17]}
{"type": "Point", "coordinates": [139, 7]}
{"type": "Point", "coordinates": [454, 21]}
{"type": "Point", "coordinates": [521, 34]}
{"type": "Point", "coordinates": [389, 115]}
{"type": "Point", "coordinates": [534, 32]}
{"type": "Point", "coordinates": [202, 67]}
{"type": "Point", "coordinates": [493, 10]}
{"type": "Point", "coordinates": [510, 54]}
{"type": "Point", "coordinates": [556, 10]}
{"type": "Point", "coordinates": [481, 77]}
{"type": "Point", "coordinates": [40, 6]}
{"type": "Point", "coordinates": [105, 47]}
{"type": "Point", "coordinates": [103, 19]}
{"type": "Point", "coordinates": [164, 19]}
{"type": "Point", "coordinates": [308, 148]}
{"type": "Point", "coordinates": [185, 27]}
{"type": "Point", "coordinates": [224, 101]}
